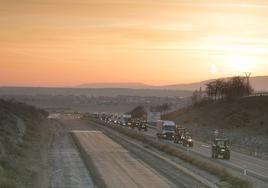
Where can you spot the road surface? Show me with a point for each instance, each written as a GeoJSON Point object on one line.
{"type": "Point", "coordinates": [67, 167]}
{"type": "Point", "coordinates": [116, 166]}
{"type": "Point", "coordinates": [255, 167]}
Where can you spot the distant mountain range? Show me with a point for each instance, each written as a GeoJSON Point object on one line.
{"type": "Point", "coordinates": [117, 85]}
{"type": "Point", "coordinates": [259, 83]}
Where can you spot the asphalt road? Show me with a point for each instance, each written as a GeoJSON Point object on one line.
{"type": "Point", "coordinates": [116, 166]}
{"type": "Point", "coordinates": [255, 167]}
{"type": "Point", "coordinates": [119, 164]}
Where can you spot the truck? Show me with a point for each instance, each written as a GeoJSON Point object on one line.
{"type": "Point", "coordinates": [165, 129]}
{"type": "Point", "coordinates": [153, 117]}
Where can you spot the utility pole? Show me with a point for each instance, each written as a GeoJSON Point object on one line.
{"type": "Point", "coordinates": [247, 75]}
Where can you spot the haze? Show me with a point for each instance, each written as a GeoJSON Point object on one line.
{"type": "Point", "coordinates": [71, 42]}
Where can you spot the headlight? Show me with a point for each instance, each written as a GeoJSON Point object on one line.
{"type": "Point", "coordinates": [190, 140]}
{"type": "Point", "coordinates": [222, 150]}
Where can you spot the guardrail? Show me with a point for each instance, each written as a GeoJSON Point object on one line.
{"type": "Point", "coordinates": [259, 94]}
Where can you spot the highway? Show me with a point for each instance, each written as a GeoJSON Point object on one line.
{"type": "Point", "coordinates": [116, 164]}
{"type": "Point", "coordinates": [118, 161]}
{"type": "Point", "coordinates": [255, 167]}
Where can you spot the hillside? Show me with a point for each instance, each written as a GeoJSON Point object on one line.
{"type": "Point", "coordinates": [116, 85]}
{"type": "Point", "coordinates": [259, 83]}
{"type": "Point", "coordinates": [23, 142]}
{"type": "Point", "coordinates": [244, 121]}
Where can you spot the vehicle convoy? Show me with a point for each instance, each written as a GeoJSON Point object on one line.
{"type": "Point", "coordinates": [139, 124]}
{"type": "Point", "coordinates": [135, 123]}
{"type": "Point", "coordinates": [220, 147]}
{"type": "Point", "coordinates": [125, 120]}
{"type": "Point", "coordinates": [143, 125]}
{"type": "Point", "coordinates": [165, 129]}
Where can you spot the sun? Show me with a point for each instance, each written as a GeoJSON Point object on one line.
{"type": "Point", "coordinates": [213, 69]}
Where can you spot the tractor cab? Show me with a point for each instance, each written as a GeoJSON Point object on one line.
{"type": "Point", "coordinates": [221, 148]}
{"type": "Point", "coordinates": [187, 140]}
{"type": "Point", "coordinates": [179, 134]}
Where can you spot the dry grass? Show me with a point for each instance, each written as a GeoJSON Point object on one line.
{"type": "Point", "coordinates": [20, 162]}
{"type": "Point", "coordinates": [244, 121]}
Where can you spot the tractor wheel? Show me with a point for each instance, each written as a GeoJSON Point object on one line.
{"type": "Point", "coordinates": [227, 156]}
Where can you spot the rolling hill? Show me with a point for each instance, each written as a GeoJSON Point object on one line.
{"type": "Point", "coordinates": [259, 83]}
{"type": "Point", "coordinates": [244, 121]}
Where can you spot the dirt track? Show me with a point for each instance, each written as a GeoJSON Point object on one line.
{"type": "Point", "coordinates": [115, 164]}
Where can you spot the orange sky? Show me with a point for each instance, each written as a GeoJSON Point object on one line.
{"type": "Point", "coordinates": [71, 42]}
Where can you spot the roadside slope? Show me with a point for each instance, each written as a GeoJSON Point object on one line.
{"type": "Point", "coordinates": [23, 146]}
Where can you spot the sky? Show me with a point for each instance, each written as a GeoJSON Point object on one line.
{"type": "Point", "coordinates": [72, 42]}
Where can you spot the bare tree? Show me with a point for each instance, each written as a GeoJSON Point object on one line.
{"type": "Point", "coordinates": [139, 112]}
{"type": "Point", "coordinates": [232, 88]}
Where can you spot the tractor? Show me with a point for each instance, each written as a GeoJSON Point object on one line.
{"type": "Point", "coordinates": [187, 140]}
{"type": "Point", "coordinates": [220, 147]}
{"type": "Point", "coordinates": [179, 134]}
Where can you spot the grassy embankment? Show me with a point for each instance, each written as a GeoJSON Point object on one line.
{"type": "Point", "coordinates": [23, 146]}
{"type": "Point", "coordinates": [244, 121]}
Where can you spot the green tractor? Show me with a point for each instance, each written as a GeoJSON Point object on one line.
{"type": "Point", "coordinates": [179, 134]}
{"type": "Point", "coordinates": [187, 140]}
{"type": "Point", "coordinates": [221, 148]}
